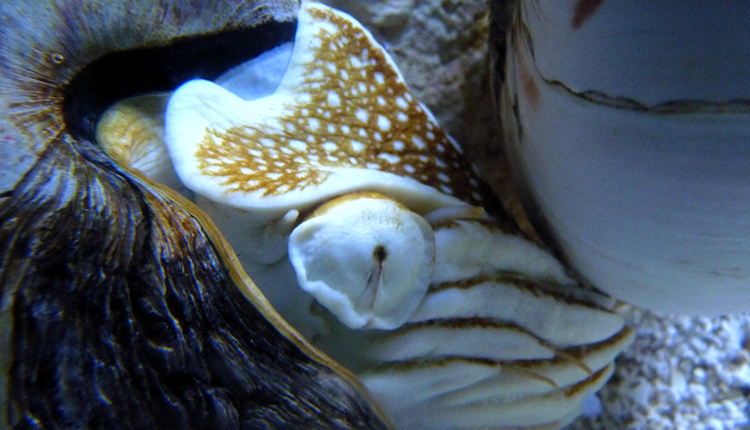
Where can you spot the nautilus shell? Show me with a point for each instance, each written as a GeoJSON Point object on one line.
{"type": "Point", "coordinates": [156, 153]}
{"type": "Point", "coordinates": [627, 128]}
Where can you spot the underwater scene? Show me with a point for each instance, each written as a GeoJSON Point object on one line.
{"type": "Point", "coordinates": [374, 214]}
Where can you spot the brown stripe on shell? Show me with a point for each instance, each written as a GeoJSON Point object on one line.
{"type": "Point", "coordinates": [458, 323]}
{"type": "Point", "coordinates": [560, 293]}
{"type": "Point", "coordinates": [535, 403]}
{"type": "Point", "coordinates": [327, 205]}
{"type": "Point", "coordinates": [581, 351]}
{"type": "Point", "coordinates": [538, 369]}
{"type": "Point", "coordinates": [596, 378]}
{"type": "Point", "coordinates": [524, 366]}
{"type": "Point", "coordinates": [574, 356]}
{"type": "Point", "coordinates": [584, 10]}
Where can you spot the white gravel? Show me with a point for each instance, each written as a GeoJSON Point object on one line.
{"type": "Point", "coordinates": [679, 373]}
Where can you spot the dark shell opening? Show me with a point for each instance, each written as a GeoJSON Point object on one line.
{"type": "Point", "coordinates": [119, 75]}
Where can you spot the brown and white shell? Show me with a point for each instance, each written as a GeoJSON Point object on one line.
{"type": "Point", "coordinates": [120, 279]}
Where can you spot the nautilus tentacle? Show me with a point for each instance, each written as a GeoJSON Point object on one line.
{"type": "Point", "coordinates": [122, 306]}
{"type": "Point", "coordinates": [342, 165]}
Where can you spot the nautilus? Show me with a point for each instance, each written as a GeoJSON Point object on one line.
{"type": "Point", "coordinates": [237, 215]}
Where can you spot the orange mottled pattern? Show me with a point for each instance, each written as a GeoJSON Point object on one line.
{"type": "Point", "coordinates": [351, 110]}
